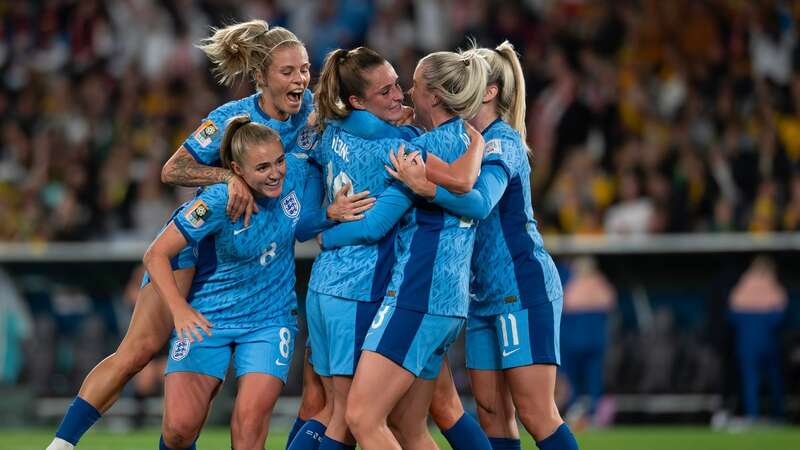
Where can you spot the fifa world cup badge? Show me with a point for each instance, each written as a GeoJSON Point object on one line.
{"type": "Point", "coordinates": [205, 133]}
{"type": "Point", "coordinates": [198, 213]}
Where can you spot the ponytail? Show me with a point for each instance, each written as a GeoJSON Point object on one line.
{"type": "Point", "coordinates": [328, 103]}
{"type": "Point", "coordinates": [240, 134]}
{"type": "Point", "coordinates": [244, 49]}
{"type": "Point", "coordinates": [459, 79]}
{"type": "Point", "coordinates": [343, 76]}
{"type": "Point", "coordinates": [506, 72]}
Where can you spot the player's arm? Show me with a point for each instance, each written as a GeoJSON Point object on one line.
{"type": "Point", "coordinates": [460, 176]}
{"type": "Point", "coordinates": [479, 202]}
{"type": "Point", "coordinates": [317, 218]}
{"type": "Point", "coordinates": [475, 204]}
{"type": "Point", "coordinates": [182, 169]}
{"type": "Point", "coordinates": [157, 262]}
{"type": "Point", "coordinates": [389, 207]}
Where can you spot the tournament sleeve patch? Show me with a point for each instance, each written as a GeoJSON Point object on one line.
{"type": "Point", "coordinates": [197, 214]}
{"type": "Point", "coordinates": [204, 134]}
{"type": "Point", "coordinates": [493, 147]}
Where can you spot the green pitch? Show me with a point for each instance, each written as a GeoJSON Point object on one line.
{"type": "Point", "coordinates": [619, 438]}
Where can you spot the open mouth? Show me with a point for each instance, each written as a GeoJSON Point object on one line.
{"type": "Point", "coordinates": [295, 97]}
{"type": "Point", "coordinates": [272, 184]}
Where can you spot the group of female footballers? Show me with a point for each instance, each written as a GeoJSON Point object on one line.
{"type": "Point", "coordinates": [441, 235]}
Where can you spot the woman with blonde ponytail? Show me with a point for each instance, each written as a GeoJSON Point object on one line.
{"type": "Point", "coordinates": [514, 322]}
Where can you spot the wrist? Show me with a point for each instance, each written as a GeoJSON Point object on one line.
{"type": "Point", "coordinates": [427, 189]}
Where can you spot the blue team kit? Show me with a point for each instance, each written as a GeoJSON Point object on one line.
{"type": "Point", "coordinates": [515, 314]}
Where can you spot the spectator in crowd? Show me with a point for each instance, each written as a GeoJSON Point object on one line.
{"type": "Point", "coordinates": [701, 100]}
{"type": "Point", "coordinates": [757, 305]}
{"type": "Point", "coordinates": [588, 300]}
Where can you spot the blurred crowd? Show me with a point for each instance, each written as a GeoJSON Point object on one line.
{"type": "Point", "coordinates": [644, 116]}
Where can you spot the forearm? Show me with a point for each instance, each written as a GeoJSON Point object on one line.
{"type": "Point", "coordinates": [160, 270]}
{"type": "Point", "coordinates": [461, 174]}
{"type": "Point", "coordinates": [313, 223]}
{"type": "Point", "coordinates": [389, 208]}
{"type": "Point", "coordinates": [470, 162]}
{"type": "Point", "coordinates": [183, 170]}
{"type": "Point", "coordinates": [477, 203]}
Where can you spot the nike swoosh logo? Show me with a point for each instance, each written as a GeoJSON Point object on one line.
{"type": "Point", "coordinates": [235, 232]}
{"type": "Point", "coordinates": [505, 353]}
{"type": "Point", "coordinates": [279, 363]}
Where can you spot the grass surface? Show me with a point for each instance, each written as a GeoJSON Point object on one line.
{"type": "Point", "coordinates": [619, 438]}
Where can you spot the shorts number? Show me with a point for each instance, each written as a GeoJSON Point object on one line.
{"type": "Point", "coordinates": [512, 323]}
{"type": "Point", "coordinates": [286, 339]}
{"type": "Point", "coordinates": [378, 320]}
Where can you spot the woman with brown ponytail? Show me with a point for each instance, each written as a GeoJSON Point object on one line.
{"type": "Point", "coordinates": [358, 98]}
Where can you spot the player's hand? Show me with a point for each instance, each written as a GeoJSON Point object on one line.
{"type": "Point", "coordinates": [240, 200]}
{"type": "Point", "coordinates": [189, 322]}
{"type": "Point", "coordinates": [407, 118]}
{"type": "Point", "coordinates": [410, 169]}
{"type": "Point", "coordinates": [348, 208]}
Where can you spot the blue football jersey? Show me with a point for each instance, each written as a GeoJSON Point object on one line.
{"type": "Point", "coordinates": [246, 275]}
{"type": "Point", "coordinates": [433, 246]}
{"type": "Point", "coordinates": [296, 135]}
{"type": "Point", "coordinates": [349, 152]}
{"type": "Point", "coordinates": [511, 268]}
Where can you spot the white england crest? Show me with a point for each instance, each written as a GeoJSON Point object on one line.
{"type": "Point", "coordinates": [306, 137]}
{"type": "Point", "coordinates": [180, 349]}
{"type": "Point", "coordinates": [291, 206]}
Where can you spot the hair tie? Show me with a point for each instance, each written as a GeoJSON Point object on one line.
{"type": "Point", "coordinates": [466, 62]}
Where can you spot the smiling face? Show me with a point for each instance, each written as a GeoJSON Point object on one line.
{"type": "Point", "coordinates": [284, 81]}
{"type": "Point", "coordinates": [423, 98]}
{"type": "Point", "coordinates": [383, 95]}
{"type": "Point", "coordinates": [263, 168]}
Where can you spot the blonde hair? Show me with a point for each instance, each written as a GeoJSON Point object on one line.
{"type": "Point", "coordinates": [244, 49]}
{"type": "Point", "coordinates": [342, 76]}
{"type": "Point", "coordinates": [505, 71]}
{"type": "Point", "coordinates": [459, 79]}
{"type": "Point", "coordinates": [240, 134]}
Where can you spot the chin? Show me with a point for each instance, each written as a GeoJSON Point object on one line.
{"type": "Point", "coordinates": [273, 193]}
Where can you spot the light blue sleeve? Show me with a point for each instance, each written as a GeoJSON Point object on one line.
{"type": "Point", "coordinates": [389, 207]}
{"type": "Point", "coordinates": [477, 203]}
{"type": "Point", "coordinates": [205, 215]}
{"type": "Point", "coordinates": [313, 216]}
{"type": "Point", "coordinates": [203, 144]}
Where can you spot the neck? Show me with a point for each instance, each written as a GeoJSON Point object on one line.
{"type": "Point", "coordinates": [269, 108]}
{"type": "Point", "coordinates": [439, 116]}
{"type": "Point", "coordinates": [486, 115]}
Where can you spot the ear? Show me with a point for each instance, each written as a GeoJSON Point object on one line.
{"type": "Point", "coordinates": [435, 100]}
{"type": "Point", "coordinates": [236, 168]}
{"type": "Point", "coordinates": [261, 77]}
{"type": "Point", "coordinates": [491, 93]}
{"type": "Point", "coordinates": [356, 102]}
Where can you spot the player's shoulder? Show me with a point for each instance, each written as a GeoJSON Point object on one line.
{"type": "Point", "coordinates": [297, 165]}
{"type": "Point", "coordinates": [215, 194]}
{"type": "Point", "coordinates": [504, 143]}
{"type": "Point", "coordinates": [226, 111]}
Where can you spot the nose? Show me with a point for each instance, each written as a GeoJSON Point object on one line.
{"type": "Point", "coordinates": [397, 94]}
